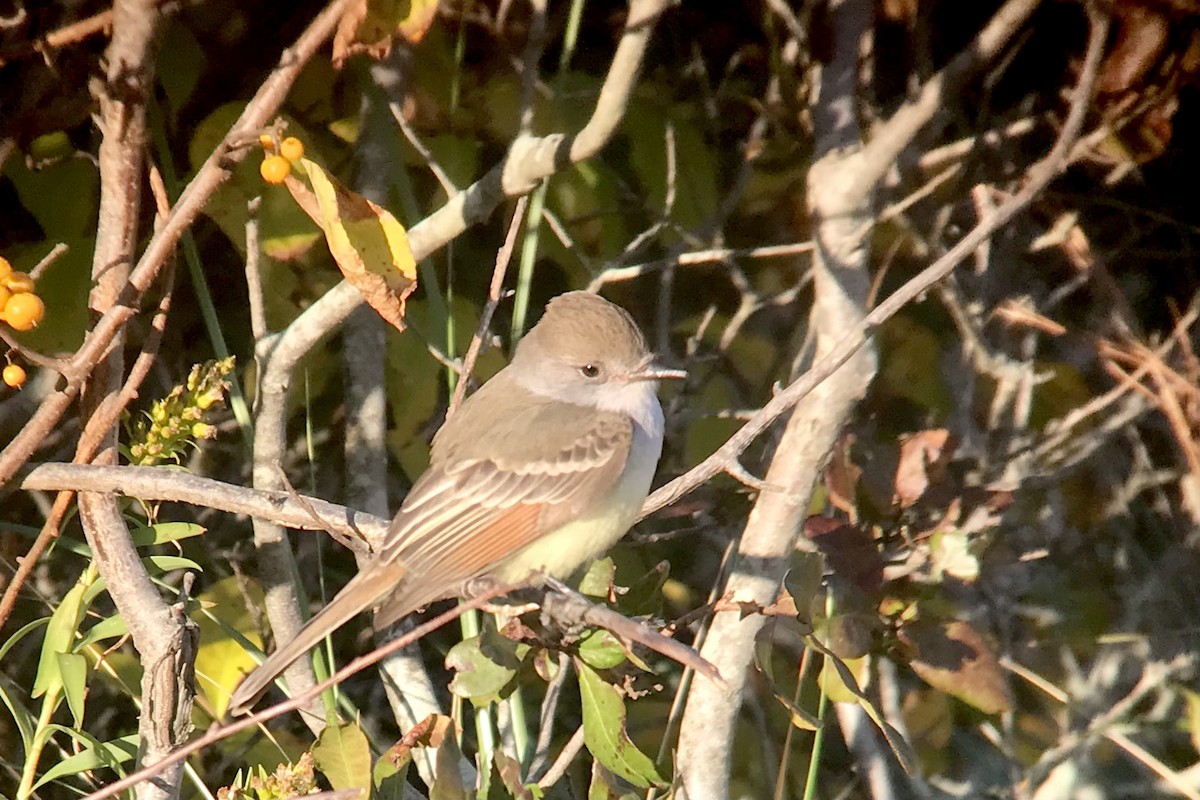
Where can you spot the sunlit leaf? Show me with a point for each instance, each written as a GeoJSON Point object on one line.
{"type": "Point", "coordinates": [60, 635]}
{"type": "Point", "coordinates": [448, 778]}
{"type": "Point", "coordinates": [603, 787]}
{"type": "Point", "coordinates": [370, 26]}
{"type": "Point", "coordinates": [485, 667]}
{"type": "Point", "coordinates": [73, 668]}
{"type": "Point", "coordinates": [343, 756]}
{"type": "Point", "coordinates": [601, 650]}
{"type": "Point", "coordinates": [1193, 717]}
{"type": "Point", "coordinates": [162, 532]}
{"type": "Point", "coordinates": [368, 244]}
{"type": "Point", "coordinates": [604, 731]}
{"type": "Point", "coordinates": [797, 715]}
{"type": "Point", "coordinates": [509, 771]}
{"type": "Point", "coordinates": [598, 579]}
{"type": "Point", "coordinates": [390, 773]}
{"type": "Point", "coordinates": [222, 659]}
{"type": "Point", "coordinates": [110, 754]}
{"type": "Point", "coordinates": [112, 627]}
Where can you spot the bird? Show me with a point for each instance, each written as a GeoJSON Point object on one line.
{"type": "Point", "coordinates": [541, 470]}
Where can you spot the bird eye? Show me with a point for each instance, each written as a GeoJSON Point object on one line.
{"type": "Point", "coordinates": [589, 371]}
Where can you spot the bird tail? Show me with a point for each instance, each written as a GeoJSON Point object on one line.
{"type": "Point", "coordinates": [362, 592]}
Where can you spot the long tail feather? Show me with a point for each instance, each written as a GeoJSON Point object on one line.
{"type": "Point", "coordinates": [364, 591]}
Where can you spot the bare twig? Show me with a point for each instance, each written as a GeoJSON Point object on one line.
{"type": "Point", "coordinates": [495, 295]}
{"type": "Point", "coordinates": [165, 641]}
{"type": "Point", "coordinates": [559, 768]}
{"type": "Point", "coordinates": [566, 606]}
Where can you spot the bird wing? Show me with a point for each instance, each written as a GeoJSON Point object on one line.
{"type": "Point", "coordinates": [464, 516]}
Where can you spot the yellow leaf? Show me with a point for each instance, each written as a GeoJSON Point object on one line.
{"type": "Point", "coordinates": [370, 26]}
{"type": "Point", "coordinates": [367, 242]}
{"type": "Point", "coordinates": [221, 660]}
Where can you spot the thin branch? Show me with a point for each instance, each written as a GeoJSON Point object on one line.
{"type": "Point", "coordinates": [495, 292]}
{"type": "Point", "coordinates": [353, 528]}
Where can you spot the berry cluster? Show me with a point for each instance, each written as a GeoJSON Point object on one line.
{"type": "Point", "coordinates": [21, 309]}
{"type": "Point", "coordinates": [19, 306]}
{"type": "Point", "coordinates": [277, 166]}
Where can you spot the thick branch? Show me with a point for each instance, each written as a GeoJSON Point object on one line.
{"type": "Point", "coordinates": [841, 288]}
{"type": "Point", "coordinates": [353, 528]}
{"type": "Point", "coordinates": [164, 720]}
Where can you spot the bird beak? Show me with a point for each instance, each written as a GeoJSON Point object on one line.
{"type": "Point", "coordinates": [650, 371]}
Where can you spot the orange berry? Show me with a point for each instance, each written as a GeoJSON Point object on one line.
{"type": "Point", "coordinates": [19, 282]}
{"type": "Point", "coordinates": [4, 295]}
{"type": "Point", "coordinates": [267, 141]}
{"type": "Point", "coordinates": [291, 148]}
{"type": "Point", "coordinates": [24, 311]}
{"type": "Point", "coordinates": [275, 169]}
{"type": "Point", "coordinates": [5, 269]}
{"type": "Point", "coordinates": [14, 375]}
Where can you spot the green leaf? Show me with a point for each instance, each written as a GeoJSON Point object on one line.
{"type": "Point", "coordinates": [598, 579]}
{"type": "Point", "coordinates": [60, 634]}
{"type": "Point", "coordinates": [25, 721]}
{"type": "Point", "coordinates": [344, 757]}
{"type": "Point", "coordinates": [177, 67]}
{"type": "Point", "coordinates": [61, 193]}
{"type": "Point", "coordinates": [156, 565]}
{"type": "Point", "coordinates": [224, 656]}
{"type": "Point", "coordinates": [644, 597]}
{"type": "Point", "coordinates": [509, 772]}
{"type": "Point", "coordinates": [646, 127]}
{"type": "Point", "coordinates": [803, 581]}
{"type": "Point", "coordinates": [73, 668]}
{"type": "Point", "coordinates": [603, 787]}
{"type": "Point", "coordinates": [448, 780]}
{"type": "Point", "coordinates": [111, 754]}
{"type": "Point", "coordinates": [162, 532]}
{"type": "Point", "coordinates": [604, 731]}
{"type": "Point", "coordinates": [1193, 716]}
{"type": "Point", "coordinates": [112, 627]}
{"type": "Point", "coordinates": [798, 716]}
{"type": "Point", "coordinates": [601, 650]}
{"type": "Point", "coordinates": [485, 667]}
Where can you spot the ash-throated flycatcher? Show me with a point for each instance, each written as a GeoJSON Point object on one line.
{"type": "Point", "coordinates": [542, 469]}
